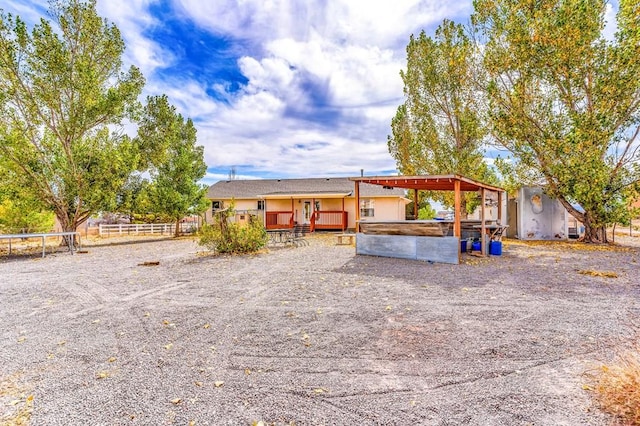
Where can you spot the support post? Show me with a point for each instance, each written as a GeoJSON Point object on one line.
{"type": "Point", "coordinates": [483, 249]}
{"type": "Point", "coordinates": [357, 194]}
{"type": "Point", "coordinates": [457, 203]}
{"type": "Point", "coordinates": [415, 204]}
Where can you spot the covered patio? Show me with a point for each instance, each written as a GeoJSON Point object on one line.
{"type": "Point", "coordinates": [425, 239]}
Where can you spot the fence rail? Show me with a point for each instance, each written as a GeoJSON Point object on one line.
{"type": "Point", "coordinates": [146, 229]}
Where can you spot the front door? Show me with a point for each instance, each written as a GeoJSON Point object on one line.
{"type": "Point", "coordinates": [306, 212]}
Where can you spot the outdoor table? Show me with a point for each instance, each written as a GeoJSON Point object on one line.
{"type": "Point", "coordinates": [43, 236]}
{"type": "Point", "coordinates": [280, 236]}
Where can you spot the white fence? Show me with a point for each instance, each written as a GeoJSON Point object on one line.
{"type": "Point", "coordinates": [146, 229]}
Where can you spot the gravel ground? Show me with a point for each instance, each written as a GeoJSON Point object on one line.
{"type": "Point", "coordinates": [310, 335]}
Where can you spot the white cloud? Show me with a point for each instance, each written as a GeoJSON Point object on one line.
{"type": "Point", "coordinates": [132, 18]}
{"type": "Point", "coordinates": [323, 78]}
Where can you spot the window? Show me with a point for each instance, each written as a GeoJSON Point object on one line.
{"type": "Point", "coordinates": [317, 205]}
{"type": "Point", "coordinates": [260, 204]}
{"type": "Point", "coordinates": [216, 205]}
{"type": "Point", "coordinates": [366, 208]}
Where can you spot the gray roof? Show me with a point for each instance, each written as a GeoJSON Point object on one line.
{"type": "Point", "coordinates": [226, 189]}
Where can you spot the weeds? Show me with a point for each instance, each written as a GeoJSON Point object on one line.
{"type": "Point", "coordinates": [617, 386]}
{"type": "Point", "coordinates": [225, 236]}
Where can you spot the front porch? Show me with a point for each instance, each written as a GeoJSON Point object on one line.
{"type": "Point", "coordinates": [337, 220]}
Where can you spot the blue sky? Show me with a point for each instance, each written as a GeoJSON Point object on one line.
{"type": "Point", "coordinates": [276, 88]}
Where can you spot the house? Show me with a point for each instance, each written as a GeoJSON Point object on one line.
{"type": "Point", "coordinates": [319, 203]}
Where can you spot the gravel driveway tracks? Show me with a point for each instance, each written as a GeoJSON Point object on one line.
{"type": "Point", "coordinates": [310, 335]}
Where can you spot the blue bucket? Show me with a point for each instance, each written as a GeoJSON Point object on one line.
{"type": "Point", "coordinates": [495, 248]}
{"type": "Point", "coordinates": [475, 246]}
{"type": "Point", "coordinates": [463, 246]}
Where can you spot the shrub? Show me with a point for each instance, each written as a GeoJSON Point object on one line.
{"type": "Point", "coordinates": [617, 387]}
{"type": "Point", "coordinates": [230, 237]}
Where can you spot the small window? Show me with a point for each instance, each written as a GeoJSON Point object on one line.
{"type": "Point", "coordinates": [216, 205]}
{"type": "Point", "coordinates": [317, 205]}
{"type": "Point", "coordinates": [260, 204]}
{"type": "Point", "coordinates": [366, 208]}
{"type": "Point", "coordinates": [242, 217]}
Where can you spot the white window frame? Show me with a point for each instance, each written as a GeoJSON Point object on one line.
{"type": "Point", "coordinates": [367, 207]}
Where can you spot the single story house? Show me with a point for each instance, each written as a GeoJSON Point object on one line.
{"type": "Point", "coordinates": [319, 203]}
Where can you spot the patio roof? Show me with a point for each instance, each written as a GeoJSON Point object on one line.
{"type": "Point", "coordinates": [455, 183]}
{"type": "Point", "coordinates": [428, 182]}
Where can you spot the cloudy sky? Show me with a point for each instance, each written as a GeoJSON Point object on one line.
{"type": "Point", "coordinates": [276, 88]}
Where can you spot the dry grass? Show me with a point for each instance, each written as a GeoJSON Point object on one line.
{"type": "Point", "coordinates": [617, 387]}
{"type": "Point", "coordinates": [569, 245]}
{"type": "Point", "coordinates": [15, 404]}
{"type": "Point", "coordinates": [605, 274]}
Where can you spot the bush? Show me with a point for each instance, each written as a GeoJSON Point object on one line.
{"type": "Point", "coordinates": [617, 387]}
{"type": "Point", "coordinates": [230, 237]}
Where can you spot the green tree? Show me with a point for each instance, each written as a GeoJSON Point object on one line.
{"type": "Point", "coordinates": [565, 101]}
{"type": "Point", "coordinates": [176, 162]}
{"type": "Point", "coordinates": [62, 92]}
{"type": "Point", "coordinates": [132, 200]}
{"type": "Point", "coordinates": [438, 129]}
{"type": "Point", "coordinates": [19, 212]}
{"type": "Point", "coordinates": [426, 212]}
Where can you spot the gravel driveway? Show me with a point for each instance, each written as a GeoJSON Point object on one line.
{"type": "Point", "coordinates": [311, 335]}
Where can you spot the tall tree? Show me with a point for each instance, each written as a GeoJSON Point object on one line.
{"type": "Point", "coordinates": [176, 162]}
{"type": "Point", "coordinates": [438, 129]}
{"type": "Point", "coordinates": [62, 92]}
{"type": "Point", "coordinates": [565, 101]}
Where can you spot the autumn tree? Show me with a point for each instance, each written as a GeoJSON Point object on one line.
{"type": "Point", "coordinates": [63, 97]}
{"type": "Point", "coordinates": [176, 163]}
{"type": "Point", "coordinates": [565, 101]}
{"type": "Point", "coordinates": [438, 129]}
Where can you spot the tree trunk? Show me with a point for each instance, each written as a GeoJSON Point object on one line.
{"type": "Point", "coordinates": [594, 234]}
{"type": "Point", "coordinates": [67, 226]}
{"type": "Point", "coordinates": [177, 230]}
{"type": "Point", "coordinates": [463, 209]}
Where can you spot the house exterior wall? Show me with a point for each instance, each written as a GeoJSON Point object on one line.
{"type": "Point", "coordinates": [385, 208]}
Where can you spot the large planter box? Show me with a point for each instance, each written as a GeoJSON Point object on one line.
{"type": "Point", "coordinates": [428, 249]}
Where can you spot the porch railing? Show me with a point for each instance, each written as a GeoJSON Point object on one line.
{"type": "Point", "coordinates": [330, 220]}
{"type": "Point", "coordinates": [279, 219]}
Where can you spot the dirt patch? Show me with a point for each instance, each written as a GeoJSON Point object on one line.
{"type": "Point", "coordinates": [312, 335]}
